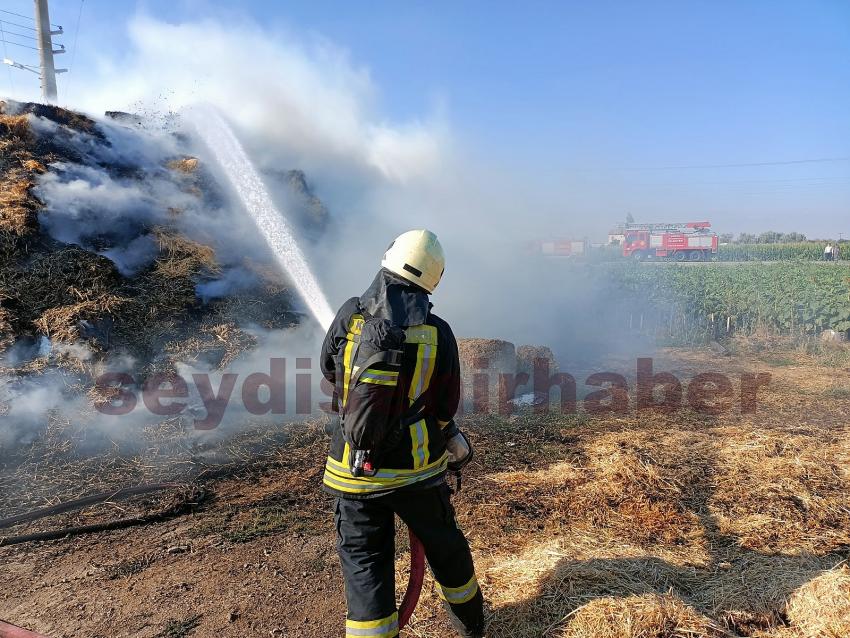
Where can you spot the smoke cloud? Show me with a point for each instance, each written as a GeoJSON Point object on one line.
{"type": "Point", "coordinates": [318, 112]}
{"type": "Point", "coordinates": [301, 102]}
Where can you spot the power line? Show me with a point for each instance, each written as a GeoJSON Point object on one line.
{"type": "Point", "coordinates": [19, 35]}
{"type": "Point", "coordinates": [15, 24]}
{"type": "Point", "coordinates": [74, 47]}
{"type": "Point", "coordinates": [6, 55]}
{"type": "Point", "coordinates": [76, 33]}
{"type": "Point", "coordinates": [17, 15]}
{"type": "Point", "coordinates": [23, 46]}
{"type": "Point", "coordinates": [744, 165]}
{"type": "Point", "coordinates": [20, 15]}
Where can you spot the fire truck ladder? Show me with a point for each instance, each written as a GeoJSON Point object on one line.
{"type": "Point", "coordinates": [684, 227]}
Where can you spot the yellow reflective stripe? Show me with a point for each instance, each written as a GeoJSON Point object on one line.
{"type": "Point", "coordinates": [419, 437]}
{"type": "Point", "coordinates": [429, 356]}
{"type": "Point", "coordinates": [362, 487]}
{"type": "Point", "coordinates": [379, 377]}
{"type": "Point", "coordinates": [355, 326]}
{"type": "Point", "coordinates": [343, 481]}
{"type": "Point", "coordinates": [382, 628]}
{"type": "Point", "coordinates": [346, 364]}
{"type": "Point", "coordinates": [417, 373]}
{"type": "Point", "coordinates": [342, 467]}
{"type": "Point", "coordinates": [426, 351]}
{"type": "Point", "coordinates": [425, 355]}
{"type": "Point", "coordinates": [459, 595]}
{"type": "Point", "coordinates": [380, 373]}
{"type": "Point", "coordinates": [421, 334]}
{"type": "Point", "coordinates": [378, 381]}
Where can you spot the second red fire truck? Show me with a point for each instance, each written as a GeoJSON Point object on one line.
{"type": "Point", "coordinates": [691, 241]}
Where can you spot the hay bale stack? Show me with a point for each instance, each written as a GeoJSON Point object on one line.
{"type": "Point", "coordinates": [68, 119]}
{"type": "Point", "coordinates": [483, 362]}
{"type": "Point", "coordinates": [644, 616]}
{"type": "Point", "coordinates": [527, 355]}
{"type": "Point", "coordinates": [821, 607]}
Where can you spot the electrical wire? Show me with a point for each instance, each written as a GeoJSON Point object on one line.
{"type": "Point", "coordinates": [76, 33]}
{"type": "Point", "coordinates": [745, 165]}
{"type": "Point", "coordinates": [20, 35]}
{"type": "Point", "coordinates": [23, 46]}
{"type": "Point", "coordinates": [70, 76]}
{"type": "Point", "coordinates": [17, 15]}
{"type": "Point", "coordinates": [15, 24]}
{"type": "Point", "coordinates": [20, 15]}
{"type": "Point", "coordinates": [5, 56]}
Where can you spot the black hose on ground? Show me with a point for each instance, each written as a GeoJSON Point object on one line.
{"type": "Point", "coordinates": [187, 505]}
{"type": "Point", "coordinates": [79, 503]}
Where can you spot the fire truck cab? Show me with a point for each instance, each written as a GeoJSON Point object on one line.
{"type": "Point", "coordinates": [691, 241]}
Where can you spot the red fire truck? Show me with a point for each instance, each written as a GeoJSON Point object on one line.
{"type": "Point", "coordinates": [692, 241]}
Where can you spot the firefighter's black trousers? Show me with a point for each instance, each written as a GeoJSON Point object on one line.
{"type": "Point", "coordinates": [366, 546]}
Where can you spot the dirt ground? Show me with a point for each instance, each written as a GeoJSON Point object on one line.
{"type": "Point", "coordinates": [579, 524]}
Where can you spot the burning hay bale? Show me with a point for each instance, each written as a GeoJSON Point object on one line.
{"type": "Point", "coordinates": [65, 118]}
{"type": "Point", "coordinates": [821, 607]}
{"type": "Point", "coordinates": [487, 369]}
{"type": "Point", "coordinates": [645, 616]}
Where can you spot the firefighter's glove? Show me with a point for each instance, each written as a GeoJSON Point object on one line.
{"type": "Point", "coordinates": [458, 447]}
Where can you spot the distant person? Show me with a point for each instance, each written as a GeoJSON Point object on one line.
{"type": "Point", "coordinates": [836, 252]}
{"type": "Point", "coordinates": [827, 253]}
{"type": "Point", "coordinates": [396, 370]}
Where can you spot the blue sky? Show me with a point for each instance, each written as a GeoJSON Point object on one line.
{"type": "Point", "coordinates": [668, 110]}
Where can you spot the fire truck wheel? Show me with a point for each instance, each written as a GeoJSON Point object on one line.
{"type": "Point", "coordinates": [638, 255]}
{"type": "Point", "coordinates": [696, 255]}
{"type": "Point", "coordinates": [680, 256]}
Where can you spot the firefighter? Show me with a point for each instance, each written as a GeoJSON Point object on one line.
{"type": "Point", "coordinates": [408, 477]}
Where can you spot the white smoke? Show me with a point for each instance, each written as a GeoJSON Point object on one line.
{"type": "Point", "coordinates": [301, 102]}
{"type": "Point", "coordinates": [306, 105]}
{"type": "Point", "coordinates": [306, 100]}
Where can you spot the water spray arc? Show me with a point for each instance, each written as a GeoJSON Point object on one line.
{"type": "Point", "coordinates": [217, 134]}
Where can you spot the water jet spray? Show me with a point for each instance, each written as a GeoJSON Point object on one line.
{"type": "Point", "coordinates": [219, 137]}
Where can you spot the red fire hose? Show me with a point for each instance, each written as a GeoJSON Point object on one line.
{"type": "Point", "coordinates": [10, 631]}
{"type": "Point", "coordinates": [414, 583]}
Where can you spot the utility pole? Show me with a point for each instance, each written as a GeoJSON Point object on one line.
{"type": "Point", "coordinates": [45, 50]}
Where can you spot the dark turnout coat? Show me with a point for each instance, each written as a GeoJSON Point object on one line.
{"type": "Point", "coordinates": [429, 378]}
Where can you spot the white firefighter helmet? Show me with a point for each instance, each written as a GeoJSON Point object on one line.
{"type": "Point", "coordinates": [418, 257]}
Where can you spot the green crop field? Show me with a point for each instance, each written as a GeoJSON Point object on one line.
{"type": "Point", "coordinates": [712, 300]}
{"type": "Point", "coordinates": [804, 250]}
